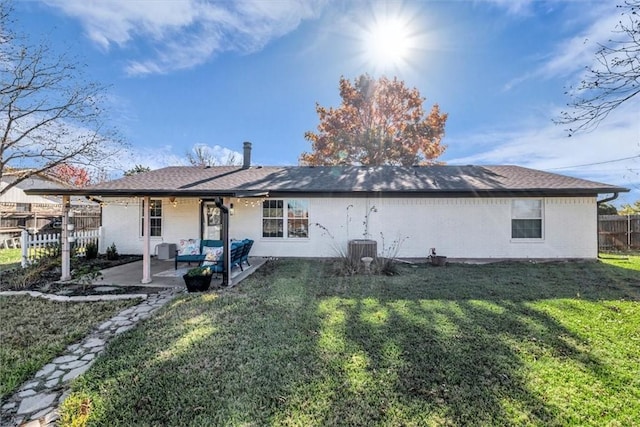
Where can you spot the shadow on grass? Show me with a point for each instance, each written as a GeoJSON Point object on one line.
{"type": "Point", "coordinates": [293, 346]}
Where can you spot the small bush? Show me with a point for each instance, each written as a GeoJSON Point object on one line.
{"type": "Point", "coordinates": [28, 276]}
{"type": "Point", "coordinates": [112, 252]}
{"type": "Point", "coordinates": [91, 251]}
{"type": "Point", "coordinates": [386, 266]}
{"type": "Point", "coordinates": [85, 275]}
{"type": "Point", "coordinates": [345, 266]}
{"type": "Point", "coordinates": [200, 271]}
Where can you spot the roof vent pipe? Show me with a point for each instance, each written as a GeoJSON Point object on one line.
{"type": "Point", "coordinates": [246, 161]}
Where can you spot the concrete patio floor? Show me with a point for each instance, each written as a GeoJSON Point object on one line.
{"type": "Point", "coordinates": [164, 275]}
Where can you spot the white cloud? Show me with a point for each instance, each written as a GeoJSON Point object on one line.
{"type": "Point", "coordinates": [163, 156]}
{"type": "Point", "coordinates": [546, 146]}
{"type": "Point", "coordinates": [571, 55]}
{"type": "Point", "coordinates": [186, 33]}
{"type": "Point", "coordinates": [515, 7]}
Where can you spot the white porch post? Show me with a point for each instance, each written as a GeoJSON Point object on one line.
{"type": "Point", "coordinates": [146, 243]}
{"type": "Point", "coordinates": [66, 247]}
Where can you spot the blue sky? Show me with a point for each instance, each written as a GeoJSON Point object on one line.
{"type": "Point", "coordinates": [219, 73]}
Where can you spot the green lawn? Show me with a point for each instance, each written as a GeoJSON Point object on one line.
{"type": "Point", "coordinates": [33, 331]}
{"type": "Point", "coordinates": [10, 258]}
{"type": "Point", "coordinates": [503, 344]}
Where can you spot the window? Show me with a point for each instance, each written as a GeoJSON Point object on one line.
{"type": "Point", "coordinates": [526, 219]}
{"type": "Point", "coordinates": [297, 219]}
{"type": "Point", "coordinates": [296, 215]}
{"type": "Point", "coordinates": [155, 218]}
{"type": "Point", "coordinates": [23, 207]}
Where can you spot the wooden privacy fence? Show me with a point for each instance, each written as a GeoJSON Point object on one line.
{"type": "Point", "coordinates": [37, 246]}
{"type": "Point", "coordinates": [618, 232]}
{"type": "Point", "coordinates": [87, 221]}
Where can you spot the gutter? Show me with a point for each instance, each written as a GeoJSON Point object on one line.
{"type": "Point", "coordinates": [608, 199]}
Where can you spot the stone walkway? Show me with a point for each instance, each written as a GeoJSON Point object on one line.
{"type": "Point", "coordinates": [36, 402]}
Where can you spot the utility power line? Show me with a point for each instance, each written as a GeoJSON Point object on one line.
{"type": "Point", "coordinates": [597, 163]}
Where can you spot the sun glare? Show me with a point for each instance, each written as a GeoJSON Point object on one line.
{"type": "Point", "coordinates": [388, 42]}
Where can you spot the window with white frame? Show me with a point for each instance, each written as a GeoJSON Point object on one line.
{"type": "Point", "coordinates": [526, 218]}
{"type": "Point", "coordinates": [288, 218]}
{"type": "Point", "coordinates": [155, 218]}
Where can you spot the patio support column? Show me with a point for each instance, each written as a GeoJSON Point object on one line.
{"type": "Point", "coordinates": [226, 247]}
{"type": "Point", "coordinates": [146, 241]}
{"type": "Point", "coordinates": [64, 237]}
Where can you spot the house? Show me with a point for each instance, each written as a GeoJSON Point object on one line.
{"type": "Point", "coordinates": [479, 212]}
{"type": "Point", "coordinates": [34, 212]}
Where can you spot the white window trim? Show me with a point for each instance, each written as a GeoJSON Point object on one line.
{"type": "Point", "coordinates": [141, 219]}
{"type": "Point", "coordinates": [285, 222]}
{"type": "Point", "coordinates": [542, 223]}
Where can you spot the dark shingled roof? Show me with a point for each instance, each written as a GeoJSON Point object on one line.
{"type": "Point", "coordinates": [332, 180]}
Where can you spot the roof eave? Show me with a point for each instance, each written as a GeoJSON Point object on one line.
{"type": "Point", "coordinates": [130, 192]}
{"type": "Point", "coordinates": [501, 192]}
{"type": "Point", "coordinates": [534, 192]}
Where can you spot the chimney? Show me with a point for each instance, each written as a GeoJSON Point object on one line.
{"type": "Point", "coordinates": [246, 162]}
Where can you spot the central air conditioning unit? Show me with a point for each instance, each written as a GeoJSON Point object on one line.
{"type": "Point", "coordinates": [360, 248]}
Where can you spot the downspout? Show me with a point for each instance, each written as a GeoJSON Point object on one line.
{"type": "Point", "coordinates": [608, 199]}
{"type": "Point", "coordinates": [605, 200]}
{"type": "Point", "coordinates": [226, 266]}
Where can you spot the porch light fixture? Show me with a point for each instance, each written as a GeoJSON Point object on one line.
{"type": "Point", "coordinates": [231, 209]}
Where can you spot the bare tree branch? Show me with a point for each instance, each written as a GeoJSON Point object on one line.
{"type": "Point", "coordinates": [49, 115]}
{"type": "Point", "coordinates": [203, 155]}
{"type": "Point", "coordinates": [613, 81]}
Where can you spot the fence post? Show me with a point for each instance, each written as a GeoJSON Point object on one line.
{"type": "Point", "coordinates": [24, 244]}
{"type": "Point", "coordinates": [629, 232]}
{"type": "Point", "coordinates": [101, 246]}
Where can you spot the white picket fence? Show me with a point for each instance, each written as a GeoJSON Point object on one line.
{"type": "Point", "coordinates": [35, 246]}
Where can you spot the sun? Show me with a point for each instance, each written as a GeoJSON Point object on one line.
{"type": "Point", "coordinates": [388, 42]}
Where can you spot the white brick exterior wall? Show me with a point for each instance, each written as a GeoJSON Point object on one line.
{"type": "Point", "coordinates": [456, 227]}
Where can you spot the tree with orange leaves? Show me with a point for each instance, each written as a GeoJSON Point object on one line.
{"type": "Point", "coordinates": [70, 174]}
{"type": "Point", "coordinates": [380, 122]}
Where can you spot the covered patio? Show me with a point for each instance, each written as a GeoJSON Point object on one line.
{"type": "Point", "coordinates": [165, 276]}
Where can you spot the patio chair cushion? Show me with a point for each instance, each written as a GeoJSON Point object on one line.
{"type": "Point", "coordinates": [189, 247]}
{"type": "Point", "coordinates": [195, 247]}
{"type": "Point", "coordinates": [212, 255]}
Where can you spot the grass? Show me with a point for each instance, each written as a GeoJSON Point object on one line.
{"type": "Point", "coordinates": [627, 261]}
{"type": "Point", "coordinates": [10, 258]}
{"type": "Point", "coordinates": [504, 344]}
{"type": "Point", "coordinates": [34, 331]}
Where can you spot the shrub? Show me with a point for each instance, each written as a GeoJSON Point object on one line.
{"type": "Point", "coordinates": [91, 251]}
{"type": "Point", "coordinates": [112, 252]}
{"type": "Point", "coordinates": [200, 271]}
{"type": "Point", "coordinates": [386, 263]}
{"type": "Point", "coordinates": [85, 275]}
{"type": "Point", "coordinates": [30, 275]}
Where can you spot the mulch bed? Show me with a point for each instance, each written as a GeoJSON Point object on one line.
{"type": "Point", "coordinates": [74, 289]}
{"type": "Point", "coordinates": [47, 281]}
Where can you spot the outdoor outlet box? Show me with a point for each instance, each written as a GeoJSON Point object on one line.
{"type": "Point", "coordinates": [166, 250]}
